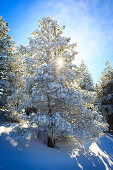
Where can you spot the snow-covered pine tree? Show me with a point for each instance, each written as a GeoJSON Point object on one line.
{"type": "Point", "coordinates": [105, 92]}
{"type": "Point", "coordinates": [86, 81]}
{"type": "Point", "coordinates": [86, 86]}
{"type": "Point", "coordinates": [18, 71]}
{"type": "Point", "coordinates": [6, 52]}
{"type": "Point", "coordinates": [49, 89]}
{"type": "Point", "coordinates": [18, 68]}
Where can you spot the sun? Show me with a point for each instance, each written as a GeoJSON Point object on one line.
{"type": "Point", "coordinates": [60, 62]}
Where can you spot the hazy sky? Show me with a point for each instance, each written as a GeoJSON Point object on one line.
{"type": "Point", "coordinates": [88, 22]}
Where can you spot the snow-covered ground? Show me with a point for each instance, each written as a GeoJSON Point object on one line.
{"type": "Point", "coordinates": [39, 157]}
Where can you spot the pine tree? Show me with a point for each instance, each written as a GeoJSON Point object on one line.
{"type": "Point", "coordinates": [105, 92]}
{"type": "Point", "coordinates": [6, 52]}
{"type": "Point", "coordinates": [86, 82]}
{"type": "Point", "coordinates": [56, 106]}
{"type": "Point", "coordinates": [18, 71]}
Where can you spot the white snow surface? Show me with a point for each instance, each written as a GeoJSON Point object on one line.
{"type": "Point", "coordinates": [37, 156]}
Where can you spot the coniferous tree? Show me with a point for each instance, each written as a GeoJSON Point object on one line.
{"type": "Point", "coordinates": [86, 81]}
{"type": "Point", "coordinates": [6, 52]}
{"type": "Point", "coordinates": [105, 92]}
{"type": "Point", "coordinates": [49, 89]}
{"type": "Point", "coordinates": [18, 70]}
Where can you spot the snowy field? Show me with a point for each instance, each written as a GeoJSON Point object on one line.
{"type": "Point", "coordinates": [39, 157]}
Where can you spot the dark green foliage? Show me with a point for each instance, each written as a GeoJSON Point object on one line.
{"type": "Point", "coordinates": [105, 93]}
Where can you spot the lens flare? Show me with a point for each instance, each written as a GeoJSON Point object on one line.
{"type": "Point", "coordinates": [60, 62]}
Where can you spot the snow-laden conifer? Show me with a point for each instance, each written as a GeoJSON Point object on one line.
{"type": "Point", "coordinates": [86, 82]}
{"type": "Point", "coordinates": [105, 92]}
{"type": "Point", "coordinates": [6, 79]}
{"type": "Point", "coordinates": [56, 106]}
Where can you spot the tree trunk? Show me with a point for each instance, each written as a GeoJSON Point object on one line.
{"type": "Point", "coordinates": [51, 139]}
{"type": "Point", "coordinates": [51, 142]}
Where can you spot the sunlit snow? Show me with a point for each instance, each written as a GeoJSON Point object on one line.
{"type": "Point", "coordinates": [4, 129]}
{"type": "Point", "coordinates": [65, 156]}
{"type": "Point", "coordinates": [102, 155]}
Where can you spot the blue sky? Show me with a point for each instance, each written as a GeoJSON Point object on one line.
{"type": "Point", "coordinates": [88, 22]}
